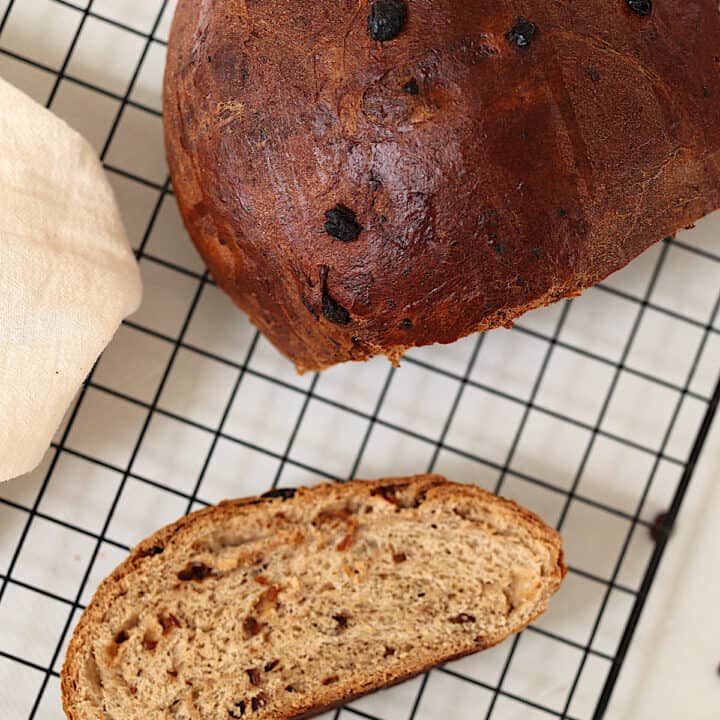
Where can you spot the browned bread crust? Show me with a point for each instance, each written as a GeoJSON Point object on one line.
{"type": "Point", "coordinates": [178, 544]}
{"type": "Point", "coordinates": [487, 179]}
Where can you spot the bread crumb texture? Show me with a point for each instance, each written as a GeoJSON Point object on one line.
{"type": "Point", "coordinates": [282, 607]}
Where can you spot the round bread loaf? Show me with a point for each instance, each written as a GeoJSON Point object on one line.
{"type": "Point", "coordinates": [364, 177]}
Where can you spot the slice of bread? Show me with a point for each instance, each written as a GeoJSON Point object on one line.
{"type": "Point", "coordinates": [285, 606]}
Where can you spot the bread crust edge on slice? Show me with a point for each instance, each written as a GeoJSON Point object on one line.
{"type": "Point", "coordinates": [336, 695]}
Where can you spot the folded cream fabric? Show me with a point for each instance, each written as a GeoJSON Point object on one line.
{"type": "Point", "coordinates": [67, 274]}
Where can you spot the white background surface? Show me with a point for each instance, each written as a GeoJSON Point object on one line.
{"type": "Point", "coordinates": [673, 668]}
{"type": "Point", "coordinates": [187, 407]}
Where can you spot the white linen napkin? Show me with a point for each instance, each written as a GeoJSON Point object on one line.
{"type": "Point", "coordinates": [67, 274]}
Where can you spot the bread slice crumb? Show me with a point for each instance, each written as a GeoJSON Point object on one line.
{"type": "Point", "coordinates": [282, 607]}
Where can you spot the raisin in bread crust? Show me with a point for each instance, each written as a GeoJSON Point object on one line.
{"type": "Point", "coordinates": [512, 178]}
{"type": "Point", "coordinates": [413, 492]}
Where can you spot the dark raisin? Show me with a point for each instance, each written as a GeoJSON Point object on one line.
{"type": "Point", "coordinates": [341, 224]}
{"type": "Point", "coordinates": [522, 33]}
{"type": "Point", "coordinates": [121, 637]}
{"type": "Point", "coordinates": [640, 7]}
{"type": "Point", "coordinates": [269, 666]}
{"type": "Point", "coordinates": [346, 542]}
{"type": "Point", "coordinates": [309, 306]}
{"type": "Point", "coordinates": [386, 19]}
{"type": "Point", "coordinates": [389, 651]}
{"type": "Point", "coordinates": [594, 74]}
{"type": "Point", "coordinates": [341, 620]}
{"type": "Point", "coordinates": [389, 493]}
{"type": "Point", "coordinates": [195, 571]}
{"type": "Point", "coordinates": [399, 558]}
{"type": "Point", "coordinates": [251, 627]}
{"type": "Point", "coordinates": [411, 87]}
{"type": "Point", "coordinates": [259, 701]}
{"type": "Point", "coordinates": [536, 252]}
{"type": "Point", "coordinates": [524, 136]}
{"type": "Point", "coordinates": [462, 619]}
{"type": "Point", "coordinates": [254, 676]}
{"type": "Point", "coordinates": [267, 599]}
{"type": "Point", "coordinates": [282, 493]}
{"type": "Point", "coordinates": [562, 213]}
{"type": "Point", "coordinates": [154, 550]}
{"type": "Point", "coordinates": [407, 324]}
{"type": "Point", "coordinates": [706, 91]}
{"type": "Point", "coordinates": [333, 311]}
{"type": "Point", "coordinates": [240, 705]}
{"type": "Point", "coordinates": [660, 527]}
{"type": "Point", "coordinates": [167, 622]}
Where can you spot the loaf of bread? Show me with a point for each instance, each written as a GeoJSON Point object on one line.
{"type": "Point", "coordinates": [284, 606]}
{"type": "Point", "coordinates": [365, 177]}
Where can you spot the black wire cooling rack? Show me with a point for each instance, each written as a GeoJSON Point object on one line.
{"type": "Point", "coordinates": [175, 414]}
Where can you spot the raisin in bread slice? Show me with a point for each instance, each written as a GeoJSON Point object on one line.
{"type": "Point", "coordinates": [282, 607]}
